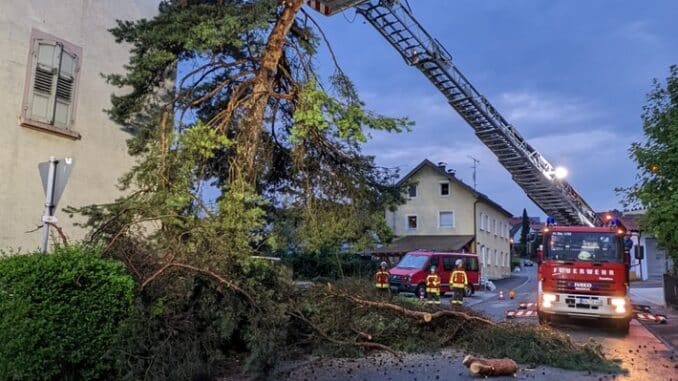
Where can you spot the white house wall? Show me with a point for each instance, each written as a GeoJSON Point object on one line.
{"type": "Point", "coordinates": [101, 154]}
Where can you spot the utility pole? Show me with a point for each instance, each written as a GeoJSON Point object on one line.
{"type": "Point", "coordinates": [475, 167]}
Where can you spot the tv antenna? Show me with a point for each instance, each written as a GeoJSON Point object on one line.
{"type": "Point", "coordinates": [475, 168]}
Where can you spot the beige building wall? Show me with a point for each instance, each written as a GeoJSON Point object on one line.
{"type": "Point", "coordinates": [492, 241]}
{"type": "Point", "coordinates": [100, 153]}
{"type": "Point", "coordinates": [429, 203]}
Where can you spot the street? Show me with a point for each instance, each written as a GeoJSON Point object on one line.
{"type": "Point", "coordinates": [641, 354]}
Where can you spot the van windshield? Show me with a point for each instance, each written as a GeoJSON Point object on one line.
{"type": "Point", "coordinates": [411, 261]}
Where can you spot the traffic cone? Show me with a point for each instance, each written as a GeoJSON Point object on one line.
{"type": "Point", "coordinates": [501, 295]}
{"type": "Point", "coordinates": [512, 294]}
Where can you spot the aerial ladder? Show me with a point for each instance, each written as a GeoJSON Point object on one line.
{"type": "Point", "coordinates": [528, 168]}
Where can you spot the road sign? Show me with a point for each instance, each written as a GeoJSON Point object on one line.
{"type": "Point", "coordinates": [61, 174]}
{"type": "Point", "coordinates": [54, 175]}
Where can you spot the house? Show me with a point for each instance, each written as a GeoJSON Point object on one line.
{"type": "Point", "coordinates": [52, 104]}
{"type": "Point", "coordinates": [443, 213]}
{"type": "Point", "coordinates": [655, 262]}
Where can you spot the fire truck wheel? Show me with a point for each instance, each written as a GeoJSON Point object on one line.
{"type": "Point", "coordinates": [543, 318]}
{"type": "Point", "coordinates": [621, 326]}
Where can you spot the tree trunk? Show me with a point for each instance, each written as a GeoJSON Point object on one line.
{"type": "Point", "coordinates": [245, 166]}
{"type": "Point", "coordinates": [491, 367]}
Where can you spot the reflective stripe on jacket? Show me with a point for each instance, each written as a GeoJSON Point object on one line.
{"type": "Point", "coordinates": [381, 279]}
{"type": "Point", "coordinates": [458, 279]}
{"type": "Point", "coordinates": [433, 283]}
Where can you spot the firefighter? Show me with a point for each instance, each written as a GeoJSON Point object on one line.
{"type": "Point", "coordinates": [433, 287]}
{"type": "Point", "coordinates": [458, 281]}
{"type": "Point", "coordinates": [381, 277]}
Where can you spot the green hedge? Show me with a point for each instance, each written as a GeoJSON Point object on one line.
{"type": "Point", "coordinates": [60, 314]}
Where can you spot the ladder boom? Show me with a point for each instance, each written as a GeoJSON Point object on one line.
{"type": "Point", "coordinates": [528, 168]}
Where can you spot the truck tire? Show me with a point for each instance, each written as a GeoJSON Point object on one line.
{"type": "Point", "coordinates": [621, 326]}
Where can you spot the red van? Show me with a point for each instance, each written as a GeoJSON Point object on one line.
{"type": "Point", "coordinates": [410, 273]}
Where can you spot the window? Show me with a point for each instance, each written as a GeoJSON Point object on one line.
{"type": "Point", "coordinates": [494, 226]}
{"type": "Point", "coordinates": [412, 222]}
{"type": "Point", "coordinates": [446, 219]}
{"type": "Point", "coordinates": [496, 259]}
{"type": "Point", "coordinates": [445, 189]}
{"type": "Point", "coordinates": [412, 190]}
{"type": "Point", "coordinates": [52, 84]}
{"type": "Point", "coordinates": [470, 264]}
{"type": "Point", "coordinates": [487, 223]}
{"type": "Point", "coordinates": [448, 263]}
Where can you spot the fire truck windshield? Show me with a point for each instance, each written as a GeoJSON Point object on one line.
{"type": "Point", "coordinates": [584, 246]}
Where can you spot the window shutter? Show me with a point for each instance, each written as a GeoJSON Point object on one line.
{"type": "Point", "coordinates": [64, 90]}
{"type": "Point", "coordinates": [43, 89]}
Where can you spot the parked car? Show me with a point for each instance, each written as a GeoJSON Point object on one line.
{"type": "Point", "coordinates": [410, 273]}
{"type": "Point", "coordinates": [528, 263]}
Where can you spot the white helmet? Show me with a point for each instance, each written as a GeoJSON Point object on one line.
{"type": "Point", "coordinates": [383, 264]}
{"type": "Point", "coordinates": [458, 262]}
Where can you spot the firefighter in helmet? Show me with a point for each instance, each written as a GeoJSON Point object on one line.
{"type": "Point", "coordinates": [381, 277]}
{"type": "Point", "coordinates": [433, 286]}
{"type": "Point", "coordinates": [458, 281]}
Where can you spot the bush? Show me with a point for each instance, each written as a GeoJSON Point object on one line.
{"type": "Point", "coordinates": [60, 314]}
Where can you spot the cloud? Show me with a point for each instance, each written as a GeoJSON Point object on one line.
{"type": "Point", "coordinates": [639, 31]}
{"type": "Point", "coordinates": [537, 113]}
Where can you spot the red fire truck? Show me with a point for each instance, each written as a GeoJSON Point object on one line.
{"type": "Point", "coordinates": [583, 272]}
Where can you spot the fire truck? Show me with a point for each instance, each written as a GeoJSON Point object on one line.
{"type": "Point", "coordinates": [583, 267]}
{"type": "Point", "coordinates": [583, 272]}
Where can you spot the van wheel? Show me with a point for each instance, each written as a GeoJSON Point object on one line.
{"type": "Point", "coordinates": [420, 291]}
{"type": "Point", "coordinates": [469, 290]}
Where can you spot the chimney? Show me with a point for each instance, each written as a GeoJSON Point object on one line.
{"type": "Point", "coordinates": [451, 172]}
{"type": "Point", "coordinates": [441, 165]}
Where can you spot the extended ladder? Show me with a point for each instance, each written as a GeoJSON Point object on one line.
{"type": "Point", "coordinates": [528, 168]}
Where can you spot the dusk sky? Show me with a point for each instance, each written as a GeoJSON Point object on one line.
{"type": "Point", "coordinates": [571, 76]}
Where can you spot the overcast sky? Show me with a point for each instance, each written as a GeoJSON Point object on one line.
{"type": "Point", "coordinates": [571, 75]}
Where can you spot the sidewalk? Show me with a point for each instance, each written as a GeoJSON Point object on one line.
{"type": "Point", "coordinates": [644, 295]}
{"type": "Point", "coordinates": [654, 297]}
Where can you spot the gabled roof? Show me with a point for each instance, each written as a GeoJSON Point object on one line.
{"type": "Point", "coordinates": [454, 179]}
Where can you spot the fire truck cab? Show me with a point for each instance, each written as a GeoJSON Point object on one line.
{"type": "Point", "coordinates": [583, 272]}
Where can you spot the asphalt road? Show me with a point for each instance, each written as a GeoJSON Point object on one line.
{"type": "Point", "coordinates": [644, 356]}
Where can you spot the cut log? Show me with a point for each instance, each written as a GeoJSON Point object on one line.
{"type": "Point", "coordinates": [490, 367]}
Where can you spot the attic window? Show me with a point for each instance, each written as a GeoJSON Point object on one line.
{"type": "Point", "coordinates": [445, 189]}
{"type": "Point", "coordinates": [412, 190]}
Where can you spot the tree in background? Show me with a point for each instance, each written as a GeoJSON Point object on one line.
{"type": "Point", "coordinates": [656, 187]}
{"type": "Point", "coordinates": [524, 229]}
